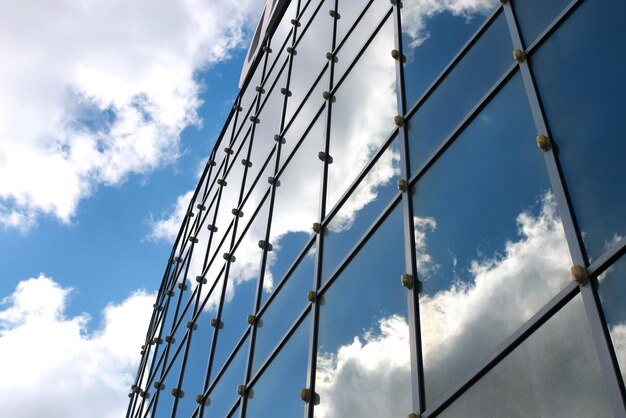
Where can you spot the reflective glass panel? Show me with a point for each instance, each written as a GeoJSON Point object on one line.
{"type": "Point", "coordinates": [534, 16]}
{"type": "Point", "coordinates": [361, 33]}
{"type": "Point", "coordinates": [459, 92]}
{"type": "Point", "coordinates": [554, 373]}
{"type": "Point", "coordinates": [295, 206]}
{"type": "Point", "coordinates": [490, 245]}
{"type": "Point", "coordinates": [224, 393]}
{"type": "Point", "coordinates": [612, 292]}
{"type": "Point", "coordinates": [587, 117]}
{"type": "Point", "coordinates": [433, 32]}
{"type": "Point", "coordinates": [269, 125]}
{"type": "Point", "coordinates": [277, 392]}
{"type": "Point", "coordinates": [309, 59]}
{"type": "Point", "coordinates": [362, 113]}
{"type": "Point", "coordinates": [358, 213]}
{"type": "Point", "coordinates": [283, 310]}
{"type": "Point", "coordinates": [363, 364]}
{"type": "Point", "coordinates": [197, 359]}
{"type": "Point", "coordinates": [349, 10]}
{"type": "Point", "coordinates": [166, 400]}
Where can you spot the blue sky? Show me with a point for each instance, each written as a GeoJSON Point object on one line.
{"type": "Point", "coordinates": [108, 112]}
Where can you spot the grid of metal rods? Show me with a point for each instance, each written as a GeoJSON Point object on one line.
{"type": "Point", "coordinates": [174, 310]}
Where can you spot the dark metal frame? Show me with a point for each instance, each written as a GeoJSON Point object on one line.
{"type": "Point", "coordinates": [155, 362]}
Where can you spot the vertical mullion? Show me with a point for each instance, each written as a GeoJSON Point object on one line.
{"type": "Point", "coordinates": [263, 262]}
{"type": "Point", "coordinates": [310, 405]}
{"type": "Point", "coordinates": [417, 370]}
{"type": "Point", "coordinates": [597, 323]}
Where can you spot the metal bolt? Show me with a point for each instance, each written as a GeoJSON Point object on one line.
{"type": "Point", "coordinates": [201, 279]}
{"type": "Point", "coordinates": [241, 390]}
{"type": "Point", "coordinates": [579, 274]}
{"type": "Point", "coordinates": [398, 120]}
{"type": "Point", "coordinates": [178, 393]}
{"type": "Point", "coordinates": [200, 206]}
{"type": "Point", "coordinates": [295, 23]}
{"type": "Point", "coordinates": [246, 163]}
{"type": "Point", "coordinates": [543, 142]}
{"type": "Point", "coordinates": [311, 295]}
{"type": "Point", "coordinates": [519, 55]}
{"type": "Point", "coordinates": [254, 119]}
{"type": "Point", "coordinates": [182, 286]}
{"type": "Point", "coordinates": [211, 228]}
{"type": "Point", "coordinates": [395, 54]}
{"type": "Point", "coordinates": [251, 319]}
{"type": "Point", "coordinates": [403, 185]}
{"type": "Point", "coordinates": [305, 394]}
{"type": "Point", "coordinates": [212, 163]}
{"type": "Point", "coordinates": [238, 108]}
{"type": "Point", "coordinates": [317, 227]}
{"type": "Point", "coordinates": [267, 49]}
{"type": "Point", "coordinates": [407, 280]}
{"type": "Point", "coordinates": [259, 89]}
{"type": "Point", "coordinates": [334, 14]}
{"type": "Point", "coordinates": [194, 240]}
{"type": "Point", "coordinates": [192, 326]}
{"type": "Point", "coordinates": [284, 91]}
{"type": "Point", "coordinates": [202, 400]}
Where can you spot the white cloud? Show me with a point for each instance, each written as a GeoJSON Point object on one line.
{"type": "Point", "coordinates": [417, 12]}
{"type": "Point", "coordinates": [462, 325]}
{"type": "Point", "coordinates": [358, 135]}
{"type": "Point", "coordinates": [53, 366]}
{"type": "Point", "coordinates": [95, 91]}
{"type": "Point", "coordinates": [167, 228]}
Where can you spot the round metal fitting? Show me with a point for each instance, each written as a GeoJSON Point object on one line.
{"type": "Point", "coordinates": [407, 280]}
{"type": "Point", "coordinates": [305, 394]}
{"type": "Point", "coordinates": [398, 120]}
{"type": "Point", "coordinates": [519, 55]}
{"type": "Point", "coordinates": [579, 274]}
{"type": "Point", "coordinates": [311, 295]}
{"type": "Point", "coordinates": [251, 319]}
{"type": "Point", "coordinates": [543, 142]}
{"type": "Point", "coordinates": [241, 390]}
{"type": "Point", "coordinates": [403, 185]}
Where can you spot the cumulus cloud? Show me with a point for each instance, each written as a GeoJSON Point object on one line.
{"type": "Point", "coordinates": [461, 325]}
{"type": "Point", "coordinates": [358, 135]}
{"type": "Point", "coordinates": [93, 92]}
{"type": "Point", "coordinates": [417, 12]}
{"type": "Point", "coordinates": [54, 366]}
{"type": "Point", "coordinates": [375, 365]}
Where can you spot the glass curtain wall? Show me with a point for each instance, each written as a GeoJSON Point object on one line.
{"type": "Point", "coordinates": [414, 209]}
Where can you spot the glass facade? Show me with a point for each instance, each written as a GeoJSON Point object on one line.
{"type": "Point", "coordinates": [413, 210]}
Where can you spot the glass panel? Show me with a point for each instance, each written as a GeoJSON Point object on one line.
{"type": "Point", "coordinates": [461, 90]}
{"type": "Point", "coordinates": [534, 16]}
{"type": "Point", "coordinates": [197, 360]}
{"type": "Point", "coordinates": [365, 204]}
{"type": "Point", "coordinates": [433, 32]}
{"type": "Point", "coordinates": [282, 34]}
{"type": "Point", "coordinates": [310, 57]}
{"type": "Point", "coordinates": [490, 245]}
{"type": "Point", "coordinates": [363, 359]}
{"type": "Point", "coordinates": [349, 10]}
{"type": "Point", "coordinates": [264, 132]}
{"type": "Point", "coordinates": [585, 110]}
{"type": "Point", "coordinates": [166, 400]}
{"type": "Point", "coordinates": [612, 292]}
{"type": "Point", "coordinates": [277, 392]}
{"type": "Point", "coordinates": [224, 393]}
{"type": "Point", "coordinates": [362, 115]}
{"type": "Point", "coordinates": [362, 32]}
{"type": "Point", "coordinates": [292, 221]}
{"type": "Point", "coordinates": [240, 290]}
{"type": "Point", "coordinates": [284, 309]}
{"type": "Point", "coordinates": [554, 373]}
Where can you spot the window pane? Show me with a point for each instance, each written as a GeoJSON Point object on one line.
{"type": "Point", "coordinates": [461, 90]}
{"type": "Point", "coordinates": [309, 59]}
{"type": "Point", "coordinates": [432, 34]}
{"type": "Point", "coordinates": [292, 221]}
{"type": "Point", "coordinates": [585, 110]}
{"type": "Point", "coordinates": [283, 310]}
{"type": "Point", "coordinates": [365, 204]}
{"type": "Point", "coordinates": [363, 364]}
{"type": "Point", "coordinates": [277, 392]}
{"type": "Point", "coordinates": [362, 114]}
{"type": "Point", "coordinates": [490, 245]}
{"type": "Point", "coordinates": [224, 393]}
{"type": "Point", "coordinates": [554, 373]}
{"type": "Point", "coordinates": [534, 16]}
{"type": "Point", "coordinates": [361, 33]}
{"type": "Point", "coordinates": [612, 292]}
